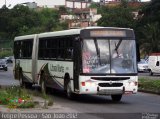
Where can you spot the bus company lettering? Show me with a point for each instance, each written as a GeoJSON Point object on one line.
{"type": "Point", "coordinates": [56, 68]}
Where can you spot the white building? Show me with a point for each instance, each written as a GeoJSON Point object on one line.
{"type": "Point", "coordinates": [80, 4]}
{"type": "Point", "coordinates": [77, 4]}
{"type": "Point", "coordinates": [50, 3]}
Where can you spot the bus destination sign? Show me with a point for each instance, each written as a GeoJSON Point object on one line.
{"type": "Point", "coordinates": [108, 33]}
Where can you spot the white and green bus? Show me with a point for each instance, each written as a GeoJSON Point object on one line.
{"type": "Point", "coordinates": [93, 60]}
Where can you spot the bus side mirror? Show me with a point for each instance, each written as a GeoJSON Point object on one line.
{"type": "Point", "coordinates": [157, 64]}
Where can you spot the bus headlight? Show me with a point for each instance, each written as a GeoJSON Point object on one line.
{"type": "Point", "coordinates": [133, 83]}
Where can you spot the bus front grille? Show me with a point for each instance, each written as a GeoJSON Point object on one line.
{"type": "Point", "coordinates": [110, 78]}
{"type": "Point", "coordinates": [110, 84]}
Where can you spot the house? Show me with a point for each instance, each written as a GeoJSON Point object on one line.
{"type": "Point", "coordinates": [82, 18]}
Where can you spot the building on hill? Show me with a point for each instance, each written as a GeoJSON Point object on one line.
{"type": "Point", "coordinates": [82, 18]}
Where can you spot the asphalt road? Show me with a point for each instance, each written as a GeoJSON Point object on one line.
{"type": "Point", "coordinates": [6, 77]}
{"type": "Point", "coordinates": [131, 106]}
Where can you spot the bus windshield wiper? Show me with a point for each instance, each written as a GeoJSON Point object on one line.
{"type": "Point", "coordinates": [97, 50]}
{"type": "Point", "coordinates": [117, 46]}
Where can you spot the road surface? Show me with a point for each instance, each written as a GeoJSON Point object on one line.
{"type": "Point", "coordinates": [135, 106]}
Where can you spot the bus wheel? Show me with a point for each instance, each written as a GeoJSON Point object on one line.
{"type": "Point", "coordinates": [22, 83]}
{"type": "Point", "coordinates": [116, 98]}
{"type": "Point", "coordinates": [69, 91]}
{"type": "Point", "coordinates": [43, 85]}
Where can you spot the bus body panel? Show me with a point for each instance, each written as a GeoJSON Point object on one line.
{"type": "Point", "coordinates": [90, 86]}
{"type": "Point", "coordinates": [54, 68]}
{"type": "Point", "coordinates": [26, 65]}
{"type": "Point", "coordinates": [55, 71]}
{"type": "Point", "coordinates": [34, 58]}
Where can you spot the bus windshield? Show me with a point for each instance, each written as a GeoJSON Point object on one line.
{"type": "Point", "coordinates": [110, 56]}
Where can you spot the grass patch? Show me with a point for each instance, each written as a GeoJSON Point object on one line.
{"type": "Point", "coordinates": [17, 97]}
{"type": "Point", "coordinates": [6, 53]}
{"type": "Point", "coordinates": [147, 84]}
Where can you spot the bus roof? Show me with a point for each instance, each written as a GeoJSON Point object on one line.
{"type": "Point", "coordinates": [60, 33]}
{"type": "Point", "coordinates": [64, 32]}
{"type": "Point", "coordinates": [25, 37]}
{"type": "Point", "coordinates": [74, 31]}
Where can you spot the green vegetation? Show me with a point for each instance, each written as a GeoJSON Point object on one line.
{"type": "Point", "coordinates": [20, 20]}
{"type": "Point", "coordinates": [148, 27]}
{"type": "Point", "coordinates": [16, 97]}
{"type": "Point", "coordinates": [150, 85]}
{"type": "Point", "coordinates": [5, 53]}
{"type": "Point", "coordinates": [117, 16]}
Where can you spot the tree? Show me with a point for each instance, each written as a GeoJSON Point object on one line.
{"type": "Point", "coordinates": [4, 21]}
{"type": "Point", "coordinates": [63, 10]}
{"type": "Point", "coordinates": [21, 20]}
{"type": "Point", "coordinates": [49, 19]}
{"type": "Point", "coordinates": [94, 5]}
{"type": "Point", "coordinates": [117, 17]}
{"type": "Point", "coordinates": [150, 13]}
{"type": "Point", "coordinates": [147, 29]}
{"type": "Point", "coordinates": [151, 38]}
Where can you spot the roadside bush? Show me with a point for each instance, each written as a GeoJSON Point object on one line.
{"type": "Point", "coordinates": [15, 97]}
{"type": "Point", "coordinates": [5, 53]}
{"type": "Point", "coordinates": [149, 85]}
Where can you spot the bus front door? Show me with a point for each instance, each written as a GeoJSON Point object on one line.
{"type": "Point", "coordinates": [77, 61]}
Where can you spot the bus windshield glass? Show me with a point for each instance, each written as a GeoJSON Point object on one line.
{"type": "Point", "coordinates": [109, 56]}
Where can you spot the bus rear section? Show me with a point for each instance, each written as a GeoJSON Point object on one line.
{"type": "Point", "coordinates": [108, 62]}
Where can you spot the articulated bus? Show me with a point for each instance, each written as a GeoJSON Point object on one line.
{"type": "Point", "coordinates": [93, 60]}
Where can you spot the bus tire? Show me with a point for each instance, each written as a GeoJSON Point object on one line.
{"type": "Point", "coordinates": [69, 91]}
{"type": "Point", "coordinates": [43, 84]}
{"type": "Point", "coordinates": [116, 98]}
{"type": "Point", "coordinates": [21, 81]}
{"type": "Point", "coordinates": [66, 81]}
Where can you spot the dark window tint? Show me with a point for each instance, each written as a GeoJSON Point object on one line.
{"type": "Point", "coordinates": [23, 49]}
{"type": "Point", "coordinates": [60, 48]}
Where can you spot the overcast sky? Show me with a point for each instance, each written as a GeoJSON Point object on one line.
{"type": "Point", "coordinates": [14, 2]}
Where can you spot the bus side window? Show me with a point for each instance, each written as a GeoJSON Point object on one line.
{"type": "Point", "coordinates": [69, 48]}
{"type": "Point", "coordinates": [25, 49]}
{"type": "Point", "coordinates": [17, 50]}
{"type": "Point", "coordinates": [70, 53]}
{"type": "Point", "coordinates": [21, 52]}
{"type": "Point", "coordinates": [40, 50]}
{"type": "Point", "coordinates": [60, 48]}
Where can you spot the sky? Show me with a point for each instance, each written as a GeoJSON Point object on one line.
{"type": "Point", "coordinates": [14, 2]}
